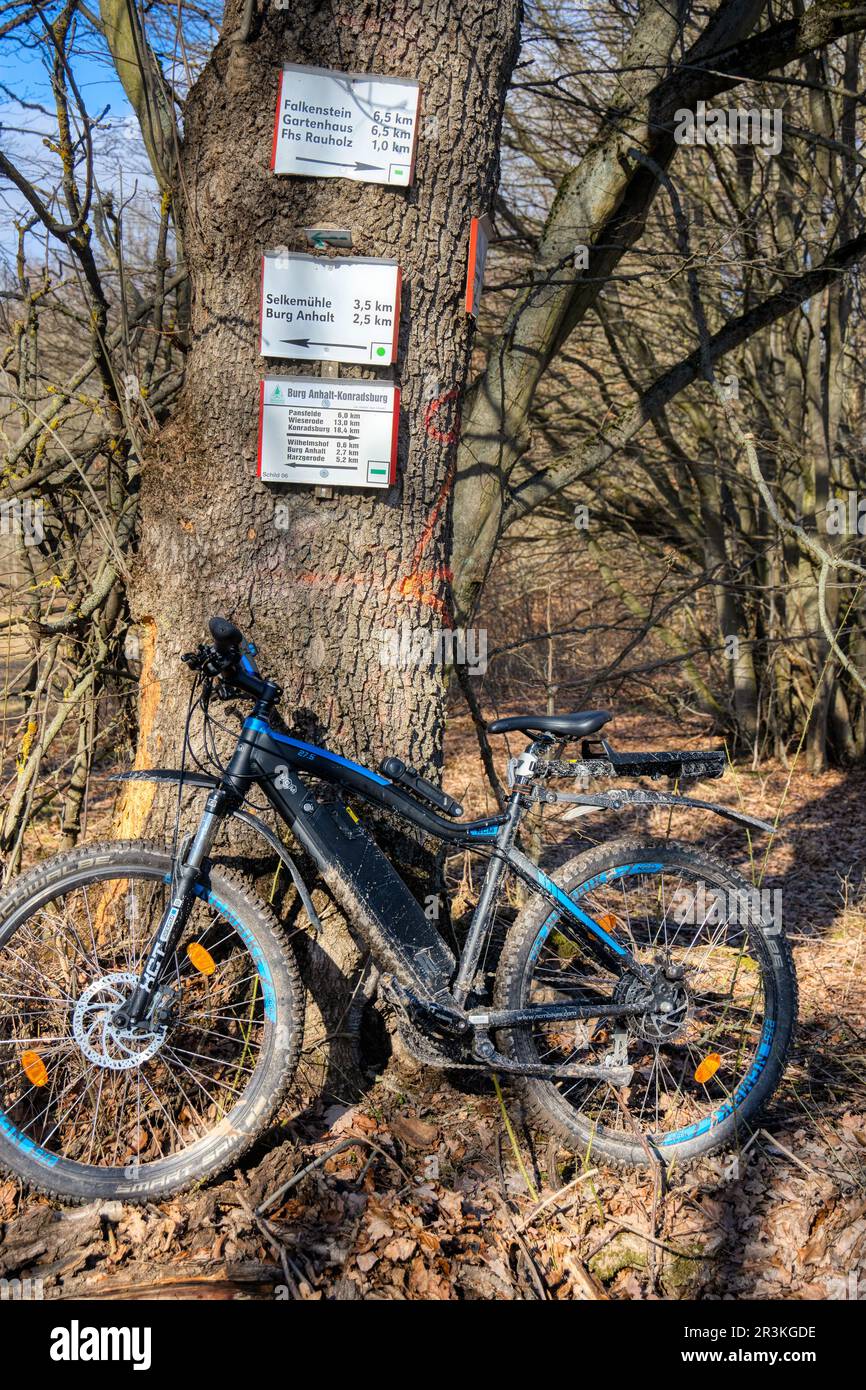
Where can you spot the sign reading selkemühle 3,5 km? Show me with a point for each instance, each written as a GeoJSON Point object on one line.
{"type": "Point", "coordinates": [319, 309]}
{"type": "Point", "coordinates": [345, 125]}
{"type": "Point", "coordinates": [334, 433]}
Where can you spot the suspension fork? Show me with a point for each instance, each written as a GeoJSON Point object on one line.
{"type": "Point", "coordinates": [176, 914]}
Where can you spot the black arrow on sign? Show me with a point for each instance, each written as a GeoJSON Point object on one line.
{"type": "Point", "coordinates": [340, 163]}
{"type": "Point", "coordinates": [316, 342]}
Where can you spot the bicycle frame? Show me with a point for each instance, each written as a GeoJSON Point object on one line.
{"type": "Point", "coordinates": [364, 882]}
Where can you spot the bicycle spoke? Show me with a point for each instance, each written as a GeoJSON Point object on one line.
{"type": "Point", "coordinates": [716, 1017]}
{"type": "Point", "coordinates": [95, 1095]}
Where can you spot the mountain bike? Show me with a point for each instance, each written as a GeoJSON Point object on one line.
{"type": "Point", "coordinates": [153, 1011]}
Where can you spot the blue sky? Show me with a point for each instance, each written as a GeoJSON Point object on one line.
{"type": "Point", "coordinates": [120, 161]}
{"type": "Point", "coordinates": [25, 74]}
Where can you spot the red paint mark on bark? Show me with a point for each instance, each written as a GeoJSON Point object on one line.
{"type": "Point", "coordinates": [444, 436]}
{"type": "Point", "coordinates": [277, 122]}
{"type": "Point", "coordinates": [418, 583]}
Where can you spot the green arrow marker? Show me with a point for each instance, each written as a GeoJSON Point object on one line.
{"type": "Point", "coordinates": [380, 352]}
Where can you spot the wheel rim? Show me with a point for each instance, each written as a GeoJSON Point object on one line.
{"type": "Point", "coordinates": [75, 1087]}
{"type": "Point", "coordinates": [690, 1078]}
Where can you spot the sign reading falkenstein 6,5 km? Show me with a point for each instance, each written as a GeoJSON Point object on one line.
{"type": "Point", "coordinates": [345, 125]}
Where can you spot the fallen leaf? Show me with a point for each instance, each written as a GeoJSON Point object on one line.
{"type": "Point", "coordinates": [400, 1248]}
{"type": "Point", "coordinates": [410, 1130]}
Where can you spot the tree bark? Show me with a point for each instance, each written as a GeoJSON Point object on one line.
{"type": "Point", "coordinates": [317, 583]}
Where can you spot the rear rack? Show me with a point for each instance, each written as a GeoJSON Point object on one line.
{"type": "Point", "coordinates": [592, 767]}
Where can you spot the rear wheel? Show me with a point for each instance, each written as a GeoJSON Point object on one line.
{"type": "Point", "coordinates": [708, 1052]}
{"type": "Point", "coordinates": [89, 1110]}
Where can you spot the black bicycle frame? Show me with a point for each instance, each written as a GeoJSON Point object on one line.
{"type": "Point", "coordinates": [365, 883]}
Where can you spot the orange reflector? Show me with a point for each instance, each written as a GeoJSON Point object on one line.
{"type": "Point", "coordinates": [34, 1068]}
{"type": "Point", "coordinates": [201, 959]}
{"type": "Point", "coordinates": [708, 1067]}
{"type": "Point", "coordinates": [607, 922]}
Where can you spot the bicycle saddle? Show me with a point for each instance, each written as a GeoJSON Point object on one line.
{"type": "Point", "coordinates": [568, 725]}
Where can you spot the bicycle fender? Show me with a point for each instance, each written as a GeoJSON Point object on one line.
{"type": "Point", "coordinates": [203, 780]}
{"type": "Point", "coordinates": [615, 800]}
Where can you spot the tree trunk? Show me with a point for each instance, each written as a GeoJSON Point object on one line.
{"type": "Point", "coordinates": [318, 584]}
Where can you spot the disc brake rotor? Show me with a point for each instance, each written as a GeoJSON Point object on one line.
{"type": "Point", "coordinates": [117, 1049]}
{"type": "Point", "coordinates": [666, 1020]}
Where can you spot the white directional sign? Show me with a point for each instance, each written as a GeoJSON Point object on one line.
{"type": "Point", "coordinates": [345, 125]}
{"type": "Point", "coordinates": [328, 433]}
{"type": "Point", "coordinates": [319, 309]}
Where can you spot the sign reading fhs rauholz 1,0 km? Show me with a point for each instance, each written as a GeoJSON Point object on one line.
{"type": "Point", "coordinates": [345, 125]}
{"type": "Point", "coordinates": [341, 309]}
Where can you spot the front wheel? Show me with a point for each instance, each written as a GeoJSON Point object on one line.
{"type": "Point", "coordinates": [89, 1110]}
{"type": "Point", "coordinates": [710, 1050]}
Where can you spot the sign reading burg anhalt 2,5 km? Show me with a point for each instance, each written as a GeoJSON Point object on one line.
{"type": "Point", "coordinates": [330, 309]}
{"type": "Point", "coordinates": [345, 125]}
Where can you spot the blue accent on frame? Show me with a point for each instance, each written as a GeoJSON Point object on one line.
{"type": "Point", "coordinates": [485, 832]}
{"type": "Point", "coordinates": [578, 913]}
{"type": "Point", "coordinates": [259, 726]}
{"type": "Point", "coordinates": [550, 922]}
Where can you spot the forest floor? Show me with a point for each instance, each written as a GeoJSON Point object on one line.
{"type": "Point", "coordinates": [426, 1187]}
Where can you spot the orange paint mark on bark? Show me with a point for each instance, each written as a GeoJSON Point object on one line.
{"type": "Point", "coordinates": [137, 798]}
{"type": "Point", "coordinates": [417, 585]}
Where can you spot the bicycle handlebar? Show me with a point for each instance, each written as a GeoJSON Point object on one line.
{"type": "Point", "coordinates": [226, 662]}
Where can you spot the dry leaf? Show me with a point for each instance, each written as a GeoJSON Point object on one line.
{"type": "Point", "coordinates": [410, 1130]}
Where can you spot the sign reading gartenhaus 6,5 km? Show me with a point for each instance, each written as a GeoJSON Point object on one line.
{"type": "Point", "coordinates": [337, 433]}
{"type": "Point", "coordinates": [345, 125]}
{"type": "Point", "coordinates": [323, 309]}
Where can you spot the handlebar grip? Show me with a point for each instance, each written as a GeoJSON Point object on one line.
{"type": "Point", "coordinates": [225, 635]}
{"type": "Point", "coordinates": [397, 770]}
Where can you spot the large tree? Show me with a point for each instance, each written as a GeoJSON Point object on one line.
{"type": "Point", "coordinates": [317, 582]}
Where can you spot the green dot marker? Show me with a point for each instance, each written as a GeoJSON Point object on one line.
{"type": "Point", "coordinates": [380, 352]}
